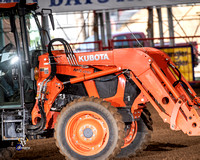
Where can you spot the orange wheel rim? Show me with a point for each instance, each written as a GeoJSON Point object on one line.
{"type": "Point", "coordinates": [130, 134]}
{"type": "Point", "coordinates": [87, 133]}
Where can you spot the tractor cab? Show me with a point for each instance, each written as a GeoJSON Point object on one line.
{"type": "Point", "coordinates": [20, 45]}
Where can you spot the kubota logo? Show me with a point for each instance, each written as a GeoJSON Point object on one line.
{"type": "Point", "coordinates": [95, 57]}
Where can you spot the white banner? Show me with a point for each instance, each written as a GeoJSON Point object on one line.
{"type": "Point", "coordinates": [83, 5]}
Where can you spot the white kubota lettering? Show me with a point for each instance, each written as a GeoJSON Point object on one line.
{"type": "Point", "coordinates": [86, 58]}
{"type": "Point", "coordinates": [81, 59]}
{"type": "Point", "coordinates": [95, 57]}
{"type": "Point", "coordinates": [91, 58]}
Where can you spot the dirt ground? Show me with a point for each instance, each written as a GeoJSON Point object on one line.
{"type": "Point", "coordinates": [165, 145]}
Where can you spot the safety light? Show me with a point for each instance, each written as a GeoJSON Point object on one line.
{"type": "Point", "coordinates": [36, 73]}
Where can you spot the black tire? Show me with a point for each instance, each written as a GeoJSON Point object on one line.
{"type": "Point", "coordinates": [142, 138]}
{"type": "Point", "coordinates": [113, 121]}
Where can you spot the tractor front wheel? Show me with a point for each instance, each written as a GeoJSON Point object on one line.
{"type": "Point", "coordinates": [88, 129]}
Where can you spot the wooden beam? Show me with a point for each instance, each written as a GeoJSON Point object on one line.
{"type": "Point", "coordinates": [150, 26]}
{"type": "Point", "coordinates": [160, 23]}
{"type": "Point", "coordinates": [171, 26]}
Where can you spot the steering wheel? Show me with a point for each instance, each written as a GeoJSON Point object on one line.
{"type": "Point", "coordinates": [6, 48]}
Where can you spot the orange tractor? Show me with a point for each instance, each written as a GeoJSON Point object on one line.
{"type": "Point", "coordinates": [94, 102]}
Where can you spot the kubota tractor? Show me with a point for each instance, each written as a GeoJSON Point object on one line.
{"type": "Point", "coordinates": [94, 101]}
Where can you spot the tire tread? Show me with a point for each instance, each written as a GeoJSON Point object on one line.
{"type": "Point", "coordinates": [111, 109]}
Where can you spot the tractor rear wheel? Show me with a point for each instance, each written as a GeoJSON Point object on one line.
{"type": "Point", "coordinates": [137, 137]}
{"type": "Point", "coordinates": [88, 129]}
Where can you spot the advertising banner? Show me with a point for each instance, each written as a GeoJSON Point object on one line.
{"type": "Point", "coordinates": [84, 5]}
{"type": "Point", "coordinates": [182, 57]}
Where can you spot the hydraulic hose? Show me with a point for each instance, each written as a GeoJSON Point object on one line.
{"type": "Point", "coordinates": [179, 78]}
{"type": "Point", "coordinates": [35, 129]}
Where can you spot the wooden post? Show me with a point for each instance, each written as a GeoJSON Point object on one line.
{"type": "Point", "coordinates": [96, 31]}
{"type": "Point", "coordinates": [84, 26]}
{"type": "Point", "coordinates": [102, 28]}
{"type": "Point", "coordinates": [171, 26]}
{"type": "Point", "coordinates": [160, 26]}
{"type": "Point", "coordinates": [108, 26]}
{"type": "Point", "coordinates": [150, 26]}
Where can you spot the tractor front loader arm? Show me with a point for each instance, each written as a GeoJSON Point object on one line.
{"type": "Point", "coordinates": [167, 90]}
{"type": "Point", "coordinates": [159, 81]}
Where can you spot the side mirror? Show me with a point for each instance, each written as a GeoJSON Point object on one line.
{"type": "Point", "coordinates": [50, 16]}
